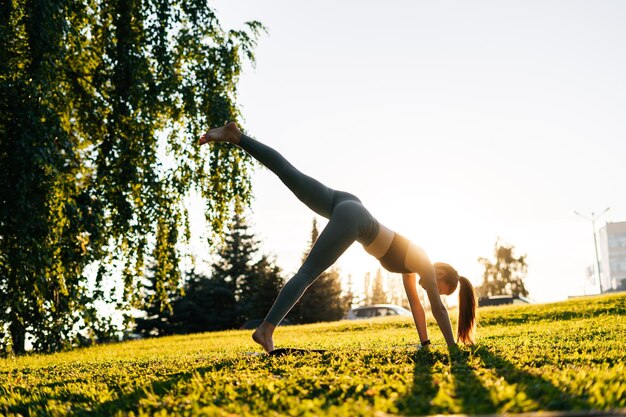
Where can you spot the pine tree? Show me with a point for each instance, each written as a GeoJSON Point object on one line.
{"type": "Point", "coordinates": [349, 296]}
{"type": "Point", "coordinates": [237, 290]}
{"type": "Point", "coordinates": [259, 288]}
{"type": "Point", "coordinates": [199, 309]}
{"type": "Point", "coordinates": [323, 300]}
{"type": "Point", "coordinates": [367, 289]}
{"type": "Point", "coordinates": [395, 293]}
{"type": "Point", "coordinates": [378, 292]}
{"type": "Point", "coordinates": [233, 266]}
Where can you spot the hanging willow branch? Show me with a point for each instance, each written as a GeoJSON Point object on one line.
{"type": "Point", "coordinates": [101, 104]}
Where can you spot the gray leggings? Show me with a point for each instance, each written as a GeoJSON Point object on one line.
{"type": "Point", "coordinates": [348, 221]}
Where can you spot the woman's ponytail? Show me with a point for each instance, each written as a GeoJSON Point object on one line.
{"type": "Point", "coordinates": [467, 311]}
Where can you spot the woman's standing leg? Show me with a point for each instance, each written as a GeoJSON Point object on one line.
{"type": "Point", "coordinates": [343, 228]}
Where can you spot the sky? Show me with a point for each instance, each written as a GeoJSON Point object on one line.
{"type": "Point", "coordinates": [456, 123]}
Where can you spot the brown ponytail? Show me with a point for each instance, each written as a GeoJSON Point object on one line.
{"type": "Point", "coordinates": [467, 311]}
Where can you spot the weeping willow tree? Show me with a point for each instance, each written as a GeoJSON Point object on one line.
{"type": "Point", "coordinates": [101, 105]}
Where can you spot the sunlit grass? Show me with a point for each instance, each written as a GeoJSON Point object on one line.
{"type": "Point", "coordinates": [559, 356]}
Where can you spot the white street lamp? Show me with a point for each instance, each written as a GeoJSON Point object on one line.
{"type": "Point", "coordinates": [593, 219]}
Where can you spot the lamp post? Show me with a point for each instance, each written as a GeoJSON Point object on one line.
{"type": "Point", "coordinates": [593, 219]}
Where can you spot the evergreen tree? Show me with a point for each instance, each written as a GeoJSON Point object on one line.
{"type": "Point", "coordinates": [198, 309]}
{"type": "Point", "coordinates": [233, 266]}
{"type": "Point", "coordinates": [349, 296]}
{"type": "Point", "coordinates": [378, 292]}
{"type": "Point", "coordinates": [505, 275]}
{"type": "Point", "coordinates": [367, 291]}
{"type": "Point", "coordinates": [101, 105]}
{"type": "Point", "coordinates": [323, 300]}
{"type": "Point", "coordinates": [258, 289]}
{"type": "Point", "coordinates": [237, 290]}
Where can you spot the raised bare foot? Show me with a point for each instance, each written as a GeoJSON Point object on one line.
{"type": "Point", "coordinates": [227, 133]}
{"type": "Point", "coordinates": [263, 335]}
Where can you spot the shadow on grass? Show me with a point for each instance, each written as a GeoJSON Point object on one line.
{"type": "Point", "coordinates": [126, 403]}
{"type": "Point", "coordinates": [83, 405]}
{"type": "Point", "coordinates": [418, 400]}
{"type": "Point", "coordinates": [469, 390]}
{"type": "Point", "coordinates": [536, 387]}
{"type": "Point", "coordinates": [34, 400]}
{"type": "Point", "coordinates": [469, 395]}
{"type": "Point", "coordinates": [130, 402]}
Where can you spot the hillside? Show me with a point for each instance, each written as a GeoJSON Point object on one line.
{"type": "Point", "coordinates": [562, 356]}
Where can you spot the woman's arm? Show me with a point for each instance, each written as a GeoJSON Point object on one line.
{"type": "Point", "coordinates": [419, 316]}
{"type": "Point", "coordinates": [439, 310]}
{"type": "Point", "coordinates": [418, 261]}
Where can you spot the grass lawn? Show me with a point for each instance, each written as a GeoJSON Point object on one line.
{"type": "Point", "coordinates": [563, 356]}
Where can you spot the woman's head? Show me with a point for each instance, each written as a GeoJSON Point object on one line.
{"type": "Point", "coordinates": [447, 281]}
{"type": "Point", "coordinates": [447, 278]}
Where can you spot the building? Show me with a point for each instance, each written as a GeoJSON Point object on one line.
{"type": "Point", "coordinates": [612, 243]}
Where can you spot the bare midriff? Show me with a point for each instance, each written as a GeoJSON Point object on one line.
{"type": "Point", "coordinates": [381, 243]}
{"type": "Point", "coordinates": [394, 252]}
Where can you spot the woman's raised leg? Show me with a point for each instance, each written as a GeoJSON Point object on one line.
{"type": "Point", "coordinates": [317, 196]}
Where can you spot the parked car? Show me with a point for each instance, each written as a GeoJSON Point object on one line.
{"type": "Point", "coordinates": [377, 310]}
{"type": "Point", "coordinates": [499, 300]}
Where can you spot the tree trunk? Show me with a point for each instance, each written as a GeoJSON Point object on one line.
{"type": "Point", "coordinates": [18, 336]}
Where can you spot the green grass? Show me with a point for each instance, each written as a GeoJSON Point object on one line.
{"type": "Point", "coordinates": [562, 356]}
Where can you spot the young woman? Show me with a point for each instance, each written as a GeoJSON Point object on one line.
{"type": "Point", "coordinates": [349, 220]}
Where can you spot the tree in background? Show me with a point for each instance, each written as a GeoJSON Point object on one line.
{"type": "Point", "coordinates": [239, 288]}
{"type": "Point", "coordinates": [232, 267]}
{"type": "Point", "coordinates": [160, 289]}
{"type": "Point", "coordinates": [258, 290]}
{"type": "Point", "coordinates": [378, 291]}
{"type": "Point", "coordinates": [101, 105]}
{"type": "Point", "coordinates": [47, 214]}
{"type": "Point", "coordinates": [505, 275]}
{"type": "Point", "coordinates": [396, 293]}
{"type": "Point", "coordinates": [323, 300]}
{"type": "Point", "coordinates": [367, 289]}
{"type": "Point", "coordinates": [254, 284]}
{"type": "Point", "coordinates": [196, 308]}
{"type": "Point", "coordinates": [349, 296]}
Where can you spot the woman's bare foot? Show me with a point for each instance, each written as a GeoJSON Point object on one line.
{"type": "Point", "coordinates": [263, 335]}
{"type": "Point", "coordinates": [227, 133]}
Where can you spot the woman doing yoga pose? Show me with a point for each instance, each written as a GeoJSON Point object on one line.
{"type": "Point", "coordinates": [349, 220]}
